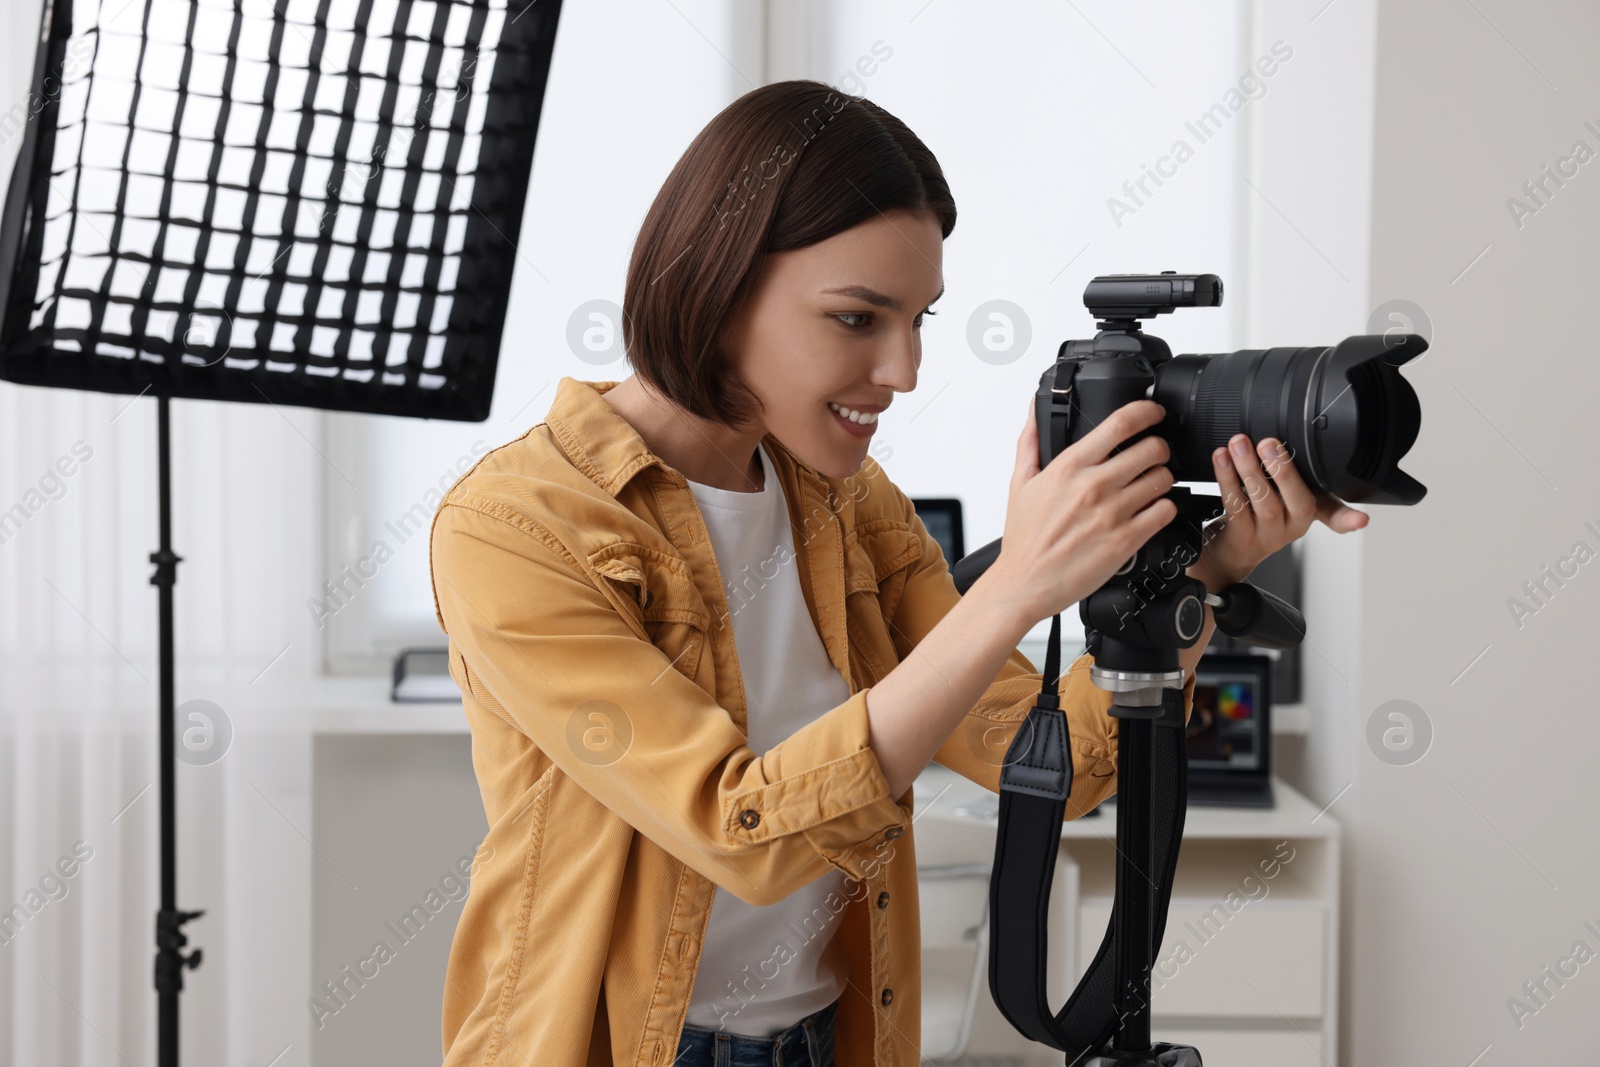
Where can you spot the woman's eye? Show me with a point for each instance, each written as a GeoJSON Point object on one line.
{"type": "Point", "coordinates": [868, 317]}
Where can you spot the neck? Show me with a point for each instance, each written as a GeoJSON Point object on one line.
{"type": "Point", "coordinates": [702, 451]}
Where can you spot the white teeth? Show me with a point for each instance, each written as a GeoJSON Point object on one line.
{"type": "Point", "coordinates": [853, 415]}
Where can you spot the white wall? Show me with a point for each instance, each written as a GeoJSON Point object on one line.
{"type": "Point", "coordinates": [1384, 166]}
{"type": "Point", "coordinates": [1474, 867]}
{"type": "Point", "coordinates": [1307, 230]}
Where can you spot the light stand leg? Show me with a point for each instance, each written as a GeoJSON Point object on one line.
{"type": "Point", "coordinates": [170, 958]}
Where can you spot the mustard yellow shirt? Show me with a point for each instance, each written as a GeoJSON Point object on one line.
{"type": "Point", "coordinates": [589, 633]}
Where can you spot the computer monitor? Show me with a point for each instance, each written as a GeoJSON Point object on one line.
{"type": "Point", "coordinates": [942, 517]}
{"type": "Point", "coordinates": [1230, 729]}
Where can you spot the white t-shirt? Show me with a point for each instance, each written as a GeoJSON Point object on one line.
{"type": "Point", "coordinates": [763, 969]}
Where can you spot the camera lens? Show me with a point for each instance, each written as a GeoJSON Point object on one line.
{"type": "Point", "coordinates": [1344, 413]}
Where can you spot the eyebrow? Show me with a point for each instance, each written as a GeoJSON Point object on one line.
{"type": "Point", "coordinates": [875, 298]}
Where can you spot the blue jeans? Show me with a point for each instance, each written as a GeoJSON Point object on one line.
{"type": "Point", "coordinates": [808, 1043]}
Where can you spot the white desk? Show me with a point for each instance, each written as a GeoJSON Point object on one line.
{"type": "Point", "coordinates": [1260, 985]}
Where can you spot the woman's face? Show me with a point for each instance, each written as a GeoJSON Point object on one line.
{"type": "Point", "coordinates": [839, 322]}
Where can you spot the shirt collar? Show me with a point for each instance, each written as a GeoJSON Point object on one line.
{"type": "Point", "coordinates": [606, 447]}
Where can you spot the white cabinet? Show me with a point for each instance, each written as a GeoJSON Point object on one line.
{"type": "Point", "coordinates": [1214, 963]}
{"type": "Point", "coordinates": [1248, 967]}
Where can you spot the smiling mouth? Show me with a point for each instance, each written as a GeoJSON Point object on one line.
{"type": "Point", "coordinates": [852, 427]}
{"type": "Point", "coordinates": [857, 414]}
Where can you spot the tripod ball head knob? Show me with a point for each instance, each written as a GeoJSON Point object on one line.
{"type": "Point", "coordinates": [1189, 617]}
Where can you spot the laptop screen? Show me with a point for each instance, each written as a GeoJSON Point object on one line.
{"type": "Point", "coordinates": [1225, 727]}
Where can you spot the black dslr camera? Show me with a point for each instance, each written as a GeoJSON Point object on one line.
{"type": "Point", "coordinates": [1344, 414]}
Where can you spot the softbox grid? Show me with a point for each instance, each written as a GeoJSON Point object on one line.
{"type": "Point", "coordinates": [307, 202]}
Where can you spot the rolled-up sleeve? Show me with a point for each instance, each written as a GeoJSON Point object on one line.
{"type": "Point", "coordinates": [977, 748]}
{"type": "Point", "coordinates": [544, 649]}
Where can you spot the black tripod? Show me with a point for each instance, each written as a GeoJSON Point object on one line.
{"type": "Point", "coordinates": [1106, 1021]}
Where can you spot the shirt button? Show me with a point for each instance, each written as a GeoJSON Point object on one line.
{"type": "Point", "coordinates": [883, 900]}
{"type": "Point", "coordinates": [893, 832]}
{"type": "Point", "coordinates": [888, 997]}
{"type": "Point", "coordinates": [749, 819]}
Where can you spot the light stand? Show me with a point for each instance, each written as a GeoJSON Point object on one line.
{"type": "Point", "coordinates": [170, 938]}
{"type": "Point", "coordinates": [302, 204]}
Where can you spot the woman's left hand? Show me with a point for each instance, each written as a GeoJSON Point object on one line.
{"type": "Point", "coordinates": [1261, 515]}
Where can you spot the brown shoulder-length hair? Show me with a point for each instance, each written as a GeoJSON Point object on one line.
{"type": "Point", "coordinates": [782, 167]}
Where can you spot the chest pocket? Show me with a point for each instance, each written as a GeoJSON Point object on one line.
{"type": "Point", "coordinates": [879, 554]}
{"type": "Point", "coordinates": [656, 593]}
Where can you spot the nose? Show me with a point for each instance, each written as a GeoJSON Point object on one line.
{"type": "Point", "coordinates": [898, 361]}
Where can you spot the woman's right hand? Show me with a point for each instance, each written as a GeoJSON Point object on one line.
{"type": "Point", "coordinates": [1073, 525]}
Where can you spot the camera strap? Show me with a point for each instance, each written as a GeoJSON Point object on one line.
{"type": "Point", "coordinates": [1034, 785]}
